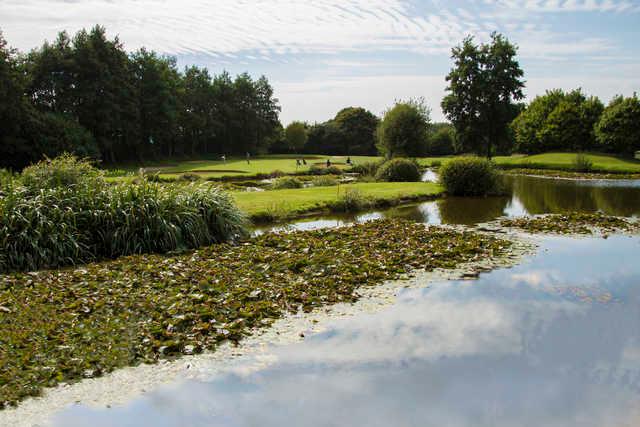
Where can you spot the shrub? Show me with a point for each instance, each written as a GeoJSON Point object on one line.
{"type": "Point", "coordinates": [64, 171]}
{"type": "Point", "coordinates": [7, 179]}
{"type": "Point", "coordinates": [60, 225]}
{"type": "Point", "coordinates": [286, 182]}
{"type": "Point", "coordinates": [324, 181]}
{"type": "Point", "coordinates": [469, 176]}
{"type": "Point", "coordinates": [398, 170]}
{"type": "Point", "coordinates": [351, 200]}
{"type": "Point", "coordinates": [435, 164]}
{"type": "Point", "coordinates": [366, 168]}
{"type": "Point", "coordinates": [582, 163]}
{"type": "Point", "coordinates": [190, 177]}
{"type": "Point", "coordinates": [321, 170]}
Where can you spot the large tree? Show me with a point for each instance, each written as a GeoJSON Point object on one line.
{"type": "Point", "coordinates": [484, 85]}
{"type": "Point", "coordinates": [557, 121]}
{"type": "Point", "coordinates": [619, 127]}
{"type": "Point", "coordinates": [403, 130]}
{"type": "Point", "coordinates": [358, 128]}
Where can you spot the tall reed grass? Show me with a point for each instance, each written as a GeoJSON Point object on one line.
{"type": "Point", "coordinates": [62, 212]}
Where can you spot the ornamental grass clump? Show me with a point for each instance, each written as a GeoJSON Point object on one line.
{"type": "Point", "coordinates": [582, 163]}
{"type": "Point", "coordinates": [398, 170]}
{"type": "Point", "coordinates": [59, 217]}
{"type": "Point", "coordinates": [470, 176]}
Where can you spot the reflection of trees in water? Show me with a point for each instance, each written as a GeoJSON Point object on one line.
{"type": "Point", "coordinates": [471, 210]}
{"type": "Point", "coordinates": [415, 213]}
{"type": "Point", "coordinates": [541, 195]}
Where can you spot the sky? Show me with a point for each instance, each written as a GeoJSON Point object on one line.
{"type": "Point", "coordinates": [324, 55]}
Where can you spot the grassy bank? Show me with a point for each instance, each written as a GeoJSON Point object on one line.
{"type": "Point", "coordinates": [276, 204]}
{"type": "Point", "coordinates": [551, 173]}
{"type": "Point", "coordinates": [63, 325]}
{"type": "Point", "coordinates": [601, 163]}
{"type": "Point", "coordinates": [238, 167]}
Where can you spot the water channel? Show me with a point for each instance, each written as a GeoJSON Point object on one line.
{"type": "Point", "coordinates": [553, 341]}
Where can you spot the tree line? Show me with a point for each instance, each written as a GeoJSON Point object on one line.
{"type": "Point", "coordinates": [484, 104]}
{"type": "Point", "coordinates": [86, 95]}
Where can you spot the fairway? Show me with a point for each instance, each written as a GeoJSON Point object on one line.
{"type": "Point", "coordinates": [296, 201]}
{"type": "Point", "coordinates": [256, 165]}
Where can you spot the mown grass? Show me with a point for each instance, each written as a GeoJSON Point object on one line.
{"type": "Point", "coordinates": [559, 161]}
{"type": "Point", "coordinates": [237, 167]}
{"type": "Point", "coordinates": [278, 204]}
{"type": "Point", "coordinates": [63, 325]}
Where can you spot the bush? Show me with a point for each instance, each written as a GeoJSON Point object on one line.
{"type": "Point", "coordinates": [324, 181]}
{"type": "Point", "coordinates": [286, 182]}
{"type": "Point", "coordinates": [469, 176]}
{"type": "Point", "coordinates": [321, 170]}
{"type": "Point", "coordinates": [582, 163]}
{"type": "Point", "coordinates": [64, 171]}
{"type": "Point", "coordinates": [351, 200]}
{"type": "Point", "coordinates": [190, 177]}
{"type": "Point", "coordinates": [54, 226]}
{"type": "Point", "coordinates": [398, 170]}
{"type": "Point", "coordinates": [366, 168]}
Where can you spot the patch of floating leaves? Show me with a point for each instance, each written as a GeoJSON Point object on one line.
{"type": "Point", "coordinates": [63, 325]}
{"type": "Point", "coordinates": [571, 223]}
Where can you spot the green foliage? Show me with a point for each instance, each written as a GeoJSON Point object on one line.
{"type": "Point", "coordinates": [557, 121]}
{"type": "Point", "coordinates": [357, 128]}
{"type": "Point", "coordinates": [366, 168]}
{"type": "Point", "coordinates": [398, 170]}
{"type": "Point", "coordinates": [322, 170]}
{"type": "Point", "coordinates": [403, 130]}
{"type": "Point", "coordinates": [66, 214]}
{"type": "Point", "coordinates": [350, 200]}
{"type": "Point", "coordinates": [295, 134]}
{"type": "Point", "coordinates": [484, 83]}
{"type": "Point", "coordinates": [64, 171]}
{"type": "Point", "coordinates": [441, 140]}
{"type": "Point", "coordinates": [87, 96]}
{"type": "Point", "coordinates": [287, 182]}
{"type": "Point", "coordinates": [582, 163]}
{"type": "Point", "coordinates": [619, 127]}
{"type": "Point", "coordinates": [190, 177]}
{"type": "Point", "coordinates": [324, 181]}
{"type": "Point", "coordinates": [469, 176]}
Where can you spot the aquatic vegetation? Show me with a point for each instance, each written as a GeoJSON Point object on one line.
{"type": "Point", "coordinates": [62, 325]}
{"type": "Point", "coordinates": [572, 174]}
{"type": "Point", "coordinates": [572, 223]}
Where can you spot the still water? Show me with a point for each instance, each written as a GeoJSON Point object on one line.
{"type": "Point", "coordinates": [527, 196]}
{"type": "Point", "coordinates": [554, 341]}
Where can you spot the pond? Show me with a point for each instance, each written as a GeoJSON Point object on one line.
{"type": "Point", "coordinates": [527, 196]}
{"type": "Point", "coordinates": [553, 341]}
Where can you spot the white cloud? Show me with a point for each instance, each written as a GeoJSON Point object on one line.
{"type": "Point", "coordinates": [203, 26]}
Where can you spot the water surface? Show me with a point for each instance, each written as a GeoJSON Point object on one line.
{"type": "Point", "coordinates": [527, 196]}
{"type": "Point", "coordinates": [554, 341]}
